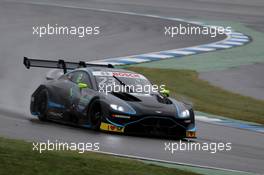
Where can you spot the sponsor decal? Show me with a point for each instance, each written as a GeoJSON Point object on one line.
{"type": "Point", "coordinates": [112, 128]}
{"type": "Point", "coordinates": [118, 74]}
{"type": "Point", "coordinates": [190, 134]}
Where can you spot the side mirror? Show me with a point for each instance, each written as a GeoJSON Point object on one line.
{"type": "Point", "coordinates": [165, 92]}
{"type": "Point", "coordinates": [82, 85]}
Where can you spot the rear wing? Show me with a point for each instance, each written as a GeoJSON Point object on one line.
{"type": "Point", "coordinates": [60, 64]}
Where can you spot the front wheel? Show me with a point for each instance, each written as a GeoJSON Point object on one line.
{"type": "Point", "coordinates": [95, 115]}
{"type": "Point", "coordinates": [42, 105]}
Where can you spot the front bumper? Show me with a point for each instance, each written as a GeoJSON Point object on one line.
{"type": "Point", "coordinates": [162, 126]}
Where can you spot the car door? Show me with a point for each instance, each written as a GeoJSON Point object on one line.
{"type": "Point", "coordinates": [80, 95]}
{"type": "Point", "coordinates": [67, 91]}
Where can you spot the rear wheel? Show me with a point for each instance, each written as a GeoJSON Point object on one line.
{"type": "Point", "coordinates": [42, 104]}
{"type": "Point", "coordinates": [95, 115]}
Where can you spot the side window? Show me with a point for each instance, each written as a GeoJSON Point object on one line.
{"type": "Point", "coordinates": [79, 77]}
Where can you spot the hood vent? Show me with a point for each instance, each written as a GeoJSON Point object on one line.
{"type": "Point", "coordinates": [163, 99]}
{"type": "Point", "coordinates": [125, 96]}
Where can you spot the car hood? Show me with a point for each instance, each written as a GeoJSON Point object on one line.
{"type": "Point", "coordinates": [149, 104]}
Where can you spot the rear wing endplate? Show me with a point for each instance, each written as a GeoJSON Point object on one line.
{"type": "Point", "coordinates": [60, 64]}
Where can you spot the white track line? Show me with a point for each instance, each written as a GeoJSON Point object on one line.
{"type": "Point", "coordinates": [201, 49]}
{"type": "Point", "coordinates": [233, 43]}
{"type": "Point", "coordinates": [220, 46]}
{"type": "Point", "coordinates": [239, 39]}
{"type": "Point", "coordinates": [156, 56]}
{"type": "Point", "coordinates": [169, 162]}
{"type": "Point", "coordinates": [137, 60]}
{"type": "Point", "coordinates": [180, 52]}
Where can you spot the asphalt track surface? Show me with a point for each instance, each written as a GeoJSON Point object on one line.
{"type": "Point", "coordinates": [123, 35]}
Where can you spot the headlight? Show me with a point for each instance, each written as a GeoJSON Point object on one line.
{"type": "Point", "coordinates": [123, 108]}
{"type": "Point", "coordinates": [184, 114]}
{"type": "Point", "coordinates": [117, 108]}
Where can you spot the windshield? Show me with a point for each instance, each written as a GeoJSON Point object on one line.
{"type": "Point", "coordinates": [122, 82]}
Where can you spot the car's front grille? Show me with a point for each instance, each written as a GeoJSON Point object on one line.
{"type": "Point", "coordinates": [155, 125]}
{"type": "Point", "coordinates": [158, 122]}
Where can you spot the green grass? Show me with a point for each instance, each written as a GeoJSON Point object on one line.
{"type": "Point", "coordinates": [17, 157]}
{"type": "Point", "coordinates": [185, 84]}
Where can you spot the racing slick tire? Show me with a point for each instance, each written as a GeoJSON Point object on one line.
{"type": "Point", "coordinates": [42, 104]}
{"type": "Point", "coordinates": [95, 115]}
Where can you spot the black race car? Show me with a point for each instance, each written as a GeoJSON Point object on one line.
{"type": "Point", "coordinates": [77, 97]}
